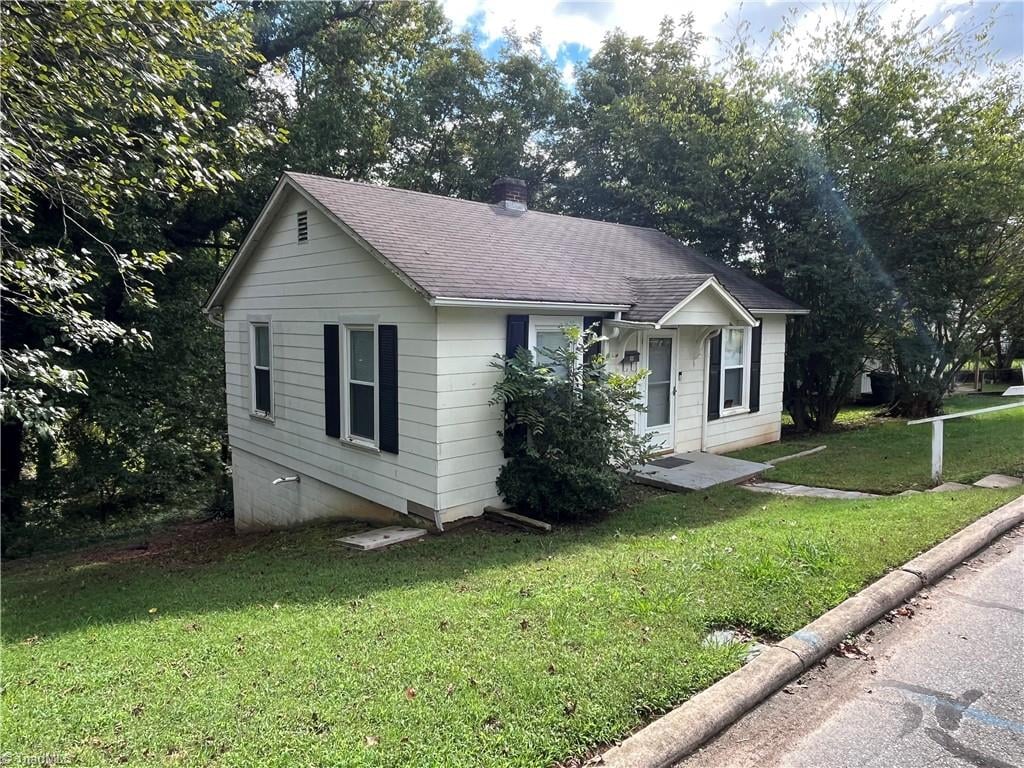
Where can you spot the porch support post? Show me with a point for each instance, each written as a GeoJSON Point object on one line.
{"type": "Point", "coordinates": [937, 451]}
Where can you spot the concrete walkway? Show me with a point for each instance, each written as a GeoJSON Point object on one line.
{"type": "Point", "coordinates": [936, 684]}
{"type": "Point", "coordinates": [789, 489]}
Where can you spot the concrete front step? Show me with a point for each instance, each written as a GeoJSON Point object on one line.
{"type": "Point", "coordinates": [948, 487]}
{"type": "Point", "coordinates": [999, 481]}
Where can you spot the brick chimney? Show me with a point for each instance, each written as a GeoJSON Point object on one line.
{"type": "Point", "coordinates": [509, 193]}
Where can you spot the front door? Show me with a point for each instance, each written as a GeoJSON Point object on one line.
{"type": "Point", "coordinates": [659, 419]}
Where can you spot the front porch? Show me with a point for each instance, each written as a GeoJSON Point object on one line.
{"type": "Point", "coordinates": [696, 471]}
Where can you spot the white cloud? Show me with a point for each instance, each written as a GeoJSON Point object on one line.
{"type": "Point", "coordinates": [569, 74]}
{"type": "Point", "coordinates": [585, 23]}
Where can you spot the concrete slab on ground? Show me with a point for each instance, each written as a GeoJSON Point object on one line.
{"type": "Point", "coordinates": [1014, 391]}
{"type": "Point", "coordinates": [789, 489]}
{"type": "Point", "coordinates": [700, 471]}
{"type": "Point", "coordinates": [378, 538]}
{"type": "Point", "coordinates": [999, 481]}
{"type": "Point", "coordinates": [948, 487]}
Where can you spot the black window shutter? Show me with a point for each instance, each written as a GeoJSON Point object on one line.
{"type": "Point", "coordinates": [755, 367]}
{"type": "Point", "coordinates": [715, 377]}
{"type": "Point", "coordinates": [592, 322]}
{"type": "Point", "coordinates": [517, 334]}
{"type": "Point", "coordinates": [332, 381]}
{"type": "Point", "coordinates": [387, 362]}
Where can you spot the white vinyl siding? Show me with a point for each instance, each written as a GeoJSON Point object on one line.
{"type": "Point", "coordinates": [328, 279]}
{"type": "Point", "coordinates": [469, 450]}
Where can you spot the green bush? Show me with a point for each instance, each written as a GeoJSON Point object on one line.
{"type": "Point", "coordinates": [568, 430]}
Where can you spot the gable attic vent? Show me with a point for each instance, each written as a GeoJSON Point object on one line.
{"type": "Point", "coordinates": [509, 193]}
{"type": "Point", "coordinates": [303, 225]}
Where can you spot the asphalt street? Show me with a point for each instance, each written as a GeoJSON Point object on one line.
{"type": "Point", "coordinates": [939, 684]}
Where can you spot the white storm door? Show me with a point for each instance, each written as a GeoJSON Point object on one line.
{"type": "Point", "coordinates": [660, 416]}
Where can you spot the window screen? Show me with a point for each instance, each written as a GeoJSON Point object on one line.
{"type": "Point", "coordinates": [361, 383]}
{"type": "Point", "coordinates": [733, 343]}
{"type": "Point", "coordinates": [261, 368]}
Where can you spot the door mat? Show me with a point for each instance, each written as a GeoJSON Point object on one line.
{"type": "Point", "coordinates": [669, 462]}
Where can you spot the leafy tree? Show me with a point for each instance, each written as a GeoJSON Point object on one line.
{"type": "Point", "coordinates": [923, 137]}
{"type": "Point", "coordinates": [646, 141]}
{"type": "Point", "coordinates": [467, 120]}
{"type": "Point", "coordinates": [569, 430]}
{"type": "Point", "coordinates": [798, 237]}
{"type": "Point", "coordinates": [103, 103]}
{"type": "Point", "coordinates": [107, 114]}
{"type": "Point", "coordinates": [388, 92]}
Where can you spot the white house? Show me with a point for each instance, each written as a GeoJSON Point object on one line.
{"type": "Point", "coordinates": [360, 323]}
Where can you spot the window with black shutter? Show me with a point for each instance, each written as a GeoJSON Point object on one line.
{"type": "Point", "coordinates": [755, 366]}
{"type": "Point", "coordinates": [332, 381]}
{"type": "Point", "coordinates": [517, 336]}
{"type": "Point", "coordinates": [715, 378]}
{"type": "Point", "coordinates": [592, 323]}
{"type": "Point", "coordinates": [387, 379]}
{"type": "Point", "coordinates": [262, 396]}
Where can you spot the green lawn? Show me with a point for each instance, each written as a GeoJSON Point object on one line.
{"type": "Point", "coordinates": [888, 456]}
{"type": "Point", "coordinates": [479, 648]}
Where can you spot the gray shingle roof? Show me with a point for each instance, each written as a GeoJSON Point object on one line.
{"type": "Point", "coordinates": [654, 296]}
{"type": "Point", "coordinates": [455, 248]}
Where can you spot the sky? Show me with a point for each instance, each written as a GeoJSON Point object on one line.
{"type": "Point", "coordinates": [572, 29]}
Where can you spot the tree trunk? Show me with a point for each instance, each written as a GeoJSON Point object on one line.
{"type": "Point", "coordinates": [12, 461]}
{"type": "Point", "coordinates": [44, 465]}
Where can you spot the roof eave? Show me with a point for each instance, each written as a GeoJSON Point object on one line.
{"type": "Point", "coordinates": [581, 306]}
{"type": "Point", "coordinates": [797, 311]}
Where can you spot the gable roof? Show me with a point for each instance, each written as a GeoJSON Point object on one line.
{"type": "Point", "coordinates": [446, 248]}
{"type": "Point", "coordinates": [656, 299]}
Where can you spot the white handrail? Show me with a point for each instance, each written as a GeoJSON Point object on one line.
{"type": "Point", "coordinates": [936, 422]}
{"type": "Point", "coordinates": [949, 416]}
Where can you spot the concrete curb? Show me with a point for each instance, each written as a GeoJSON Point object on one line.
{"type": "Point", "coordinates": [680, 732]}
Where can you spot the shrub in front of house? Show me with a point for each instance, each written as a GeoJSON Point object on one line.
{"type": "Point", "coordinates": [569, 430]}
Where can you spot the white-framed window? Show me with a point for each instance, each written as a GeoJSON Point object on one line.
{"type": "Point", "coordinates": [735, 384]}
{"type": "Point", "coordinates": [547, 333]}
{"type": "Point", "coordinates": [260, 353]}
{"type": "Point", "coordinates": [361, 383]}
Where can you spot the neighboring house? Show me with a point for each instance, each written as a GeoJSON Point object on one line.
{"type": "Point", "coordinates": [360, 324]}
{"type": "Point", "coordinates": [861, 389]}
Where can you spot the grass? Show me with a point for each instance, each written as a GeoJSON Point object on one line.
{"type": "Point", "coordinates": [887, 456]}
{"type": "Point", "coordinates": [479, 648]}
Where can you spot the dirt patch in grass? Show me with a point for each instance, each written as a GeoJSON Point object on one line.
{"type": "Point", "coordinates": [175, 546]}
